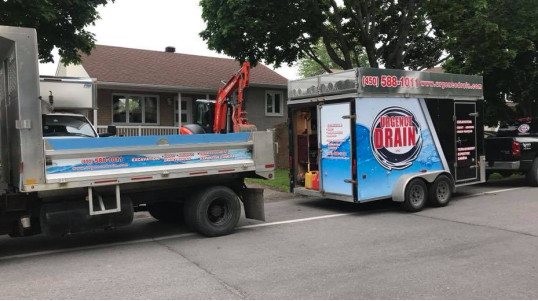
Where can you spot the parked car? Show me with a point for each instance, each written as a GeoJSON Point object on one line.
{"type": "Point", "coordinates": [514, 149]}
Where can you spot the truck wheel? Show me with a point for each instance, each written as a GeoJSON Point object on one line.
{"type": "Point", "coordinates": [532, 174]}
{"type": "Point", "coordinates": [440, 191]}
{"type": "Point", "coordinates": [167, 212]}
{"type": "Point", "coordinates": [213, 212]}
{"type": "Point", "coordinates": [416, 195]}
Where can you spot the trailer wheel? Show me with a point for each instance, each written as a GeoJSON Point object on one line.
{"type": "Point", "coordinates": [532, 174]}
{"type": "Point", "coordinates": [440, 191]}
{"type": "Point", "coordinates": [416, 195]}
{"type": "Point", "coordinates": [213, 212]}
{"type": "Point", "coordinates": [167, 212]}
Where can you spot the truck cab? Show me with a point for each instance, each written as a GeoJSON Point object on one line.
{"type": "Point", "coordinates": [56, 125]}
{"type": "Point", "coordinates": [65, 104]}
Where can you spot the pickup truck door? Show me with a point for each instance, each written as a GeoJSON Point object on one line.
{"type": "Point", "coordinates": [466, 141]}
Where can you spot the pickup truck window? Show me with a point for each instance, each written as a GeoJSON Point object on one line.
{"type": "Point", "coordinates": [67, 126]}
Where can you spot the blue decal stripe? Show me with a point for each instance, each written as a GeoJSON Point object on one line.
{"type": "Point", "coordinates": [96, 143]}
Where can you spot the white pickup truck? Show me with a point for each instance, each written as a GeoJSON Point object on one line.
{"type": "Point", "coordinates": [59, 177]}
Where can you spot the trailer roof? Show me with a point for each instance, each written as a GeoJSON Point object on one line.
{"type": "Point", "coordinates": [370, 82]}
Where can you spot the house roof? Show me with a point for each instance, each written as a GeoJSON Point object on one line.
{"type": "Point", "coordinates": [438, 69]}
{"type": "Point", "coordinates": [136, 66]}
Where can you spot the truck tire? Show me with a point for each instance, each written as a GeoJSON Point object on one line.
{"type": "Point", "coordinates": [214, 211]}
{"type": "Point", "coordinates": [532, 174]}
{"type": "Point", "coordinates": [440, 191]}
{"type": "Point", "coordinates": [167, 212]}
{"type": "Point", "coordinates": [416, 196]}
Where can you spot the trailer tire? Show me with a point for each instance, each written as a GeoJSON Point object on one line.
{"type": "Point", "coordinates": [167, 212]}
{"type": "Point", "coordinates": [416, 196]}
{"type": "Point", "coordinates": [213, 212]}
{"type": "Point", "coordinates": [440, 191]}
{"type": "Point", "coordinates": [532, 174]}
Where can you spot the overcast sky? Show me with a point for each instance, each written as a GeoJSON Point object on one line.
{"type": "Point", "coordinates": [153, 25]}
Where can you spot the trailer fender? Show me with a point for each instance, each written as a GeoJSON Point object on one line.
{"type": "Point", "coordinates": [398, 192]}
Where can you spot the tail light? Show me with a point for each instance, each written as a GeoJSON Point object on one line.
{"type": "Point", "coordinates": [516, 149]}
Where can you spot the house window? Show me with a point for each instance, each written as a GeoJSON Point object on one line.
{"type": "Point", "coordinates": [135, 109]}
{"type": "Point", "coordinates": [274, 103]}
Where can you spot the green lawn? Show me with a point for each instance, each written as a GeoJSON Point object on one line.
{"type": "Point", "coordinates": [281, 182]}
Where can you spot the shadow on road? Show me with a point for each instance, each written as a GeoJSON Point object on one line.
{"type": "Point", "coordinates": [333, 206]}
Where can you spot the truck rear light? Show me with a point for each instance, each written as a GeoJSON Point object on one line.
{"type": "Point", "coordinates": [516, 149]}
{"type": "Point", "coordinates": [269, 166]}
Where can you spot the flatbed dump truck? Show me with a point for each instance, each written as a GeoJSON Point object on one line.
{"type": "Point", "coordinates": [369, 134]}
{"type": "Point", "coordinates": [64, 185]}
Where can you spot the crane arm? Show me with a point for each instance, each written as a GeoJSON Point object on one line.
{"type": "Point", "coordinates": [225, 97]}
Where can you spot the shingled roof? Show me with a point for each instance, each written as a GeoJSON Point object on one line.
{"type": "Point", "coordinates": [136, 66]}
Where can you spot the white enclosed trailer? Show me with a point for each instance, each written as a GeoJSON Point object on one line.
{"type": "Point", "coordinates": [69, 185]}
{"type": "Point", "coordinates": [371, 134]}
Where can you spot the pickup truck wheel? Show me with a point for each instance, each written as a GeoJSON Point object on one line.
{"type": "Point", "coordinates": [532, 174]}
{"type": "Point", "coordinates": [214, 211]}
{"type": "Point", "coordinates": [416, 195]}
{"type": "Point", "coordinates": [167, 212]}
{"type": "Point", "coordinates": [440, 191]}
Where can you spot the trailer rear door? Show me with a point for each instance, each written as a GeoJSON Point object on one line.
{"type": "Point", "coordinates": [466, 142]}
{"type": "Point", "coordinates": [336, 157]}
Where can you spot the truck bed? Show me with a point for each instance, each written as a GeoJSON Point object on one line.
{"type": "Point", "coordinates": [90, 162]}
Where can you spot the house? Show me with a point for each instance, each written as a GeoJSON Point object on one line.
{"type": "Point", "coordinates": [142, 89]}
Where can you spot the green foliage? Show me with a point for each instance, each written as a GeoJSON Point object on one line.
{"type": "Point", "coordinates": [396, 34]}
{"type": "Point", "coordinates": [499, 40]}
{"type": "Point", "coordinates": [59, 23]}
{"type": "Point", "coordinates": [309, 67]}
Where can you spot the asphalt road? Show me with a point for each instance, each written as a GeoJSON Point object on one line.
{"type": "Point", "coordinates": [484, 245]}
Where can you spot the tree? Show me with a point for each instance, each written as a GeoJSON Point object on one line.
{"type": "Point", "coordinates": [310, 67]}
{"type": "Point", "coordinates": [499, 40]}
{"type": "Point", "coordinates": [59, 23]}
{"type": "Point", "coordinates": [396, 34]}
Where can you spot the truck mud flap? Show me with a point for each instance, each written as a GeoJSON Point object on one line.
{"type": "Point", "coordinates": [254, 203]}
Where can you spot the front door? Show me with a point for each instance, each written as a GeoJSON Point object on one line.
{"type": "Point", "coordinates": [336, 170]}
{"type": "Point", "coordinates": [466, 142]}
